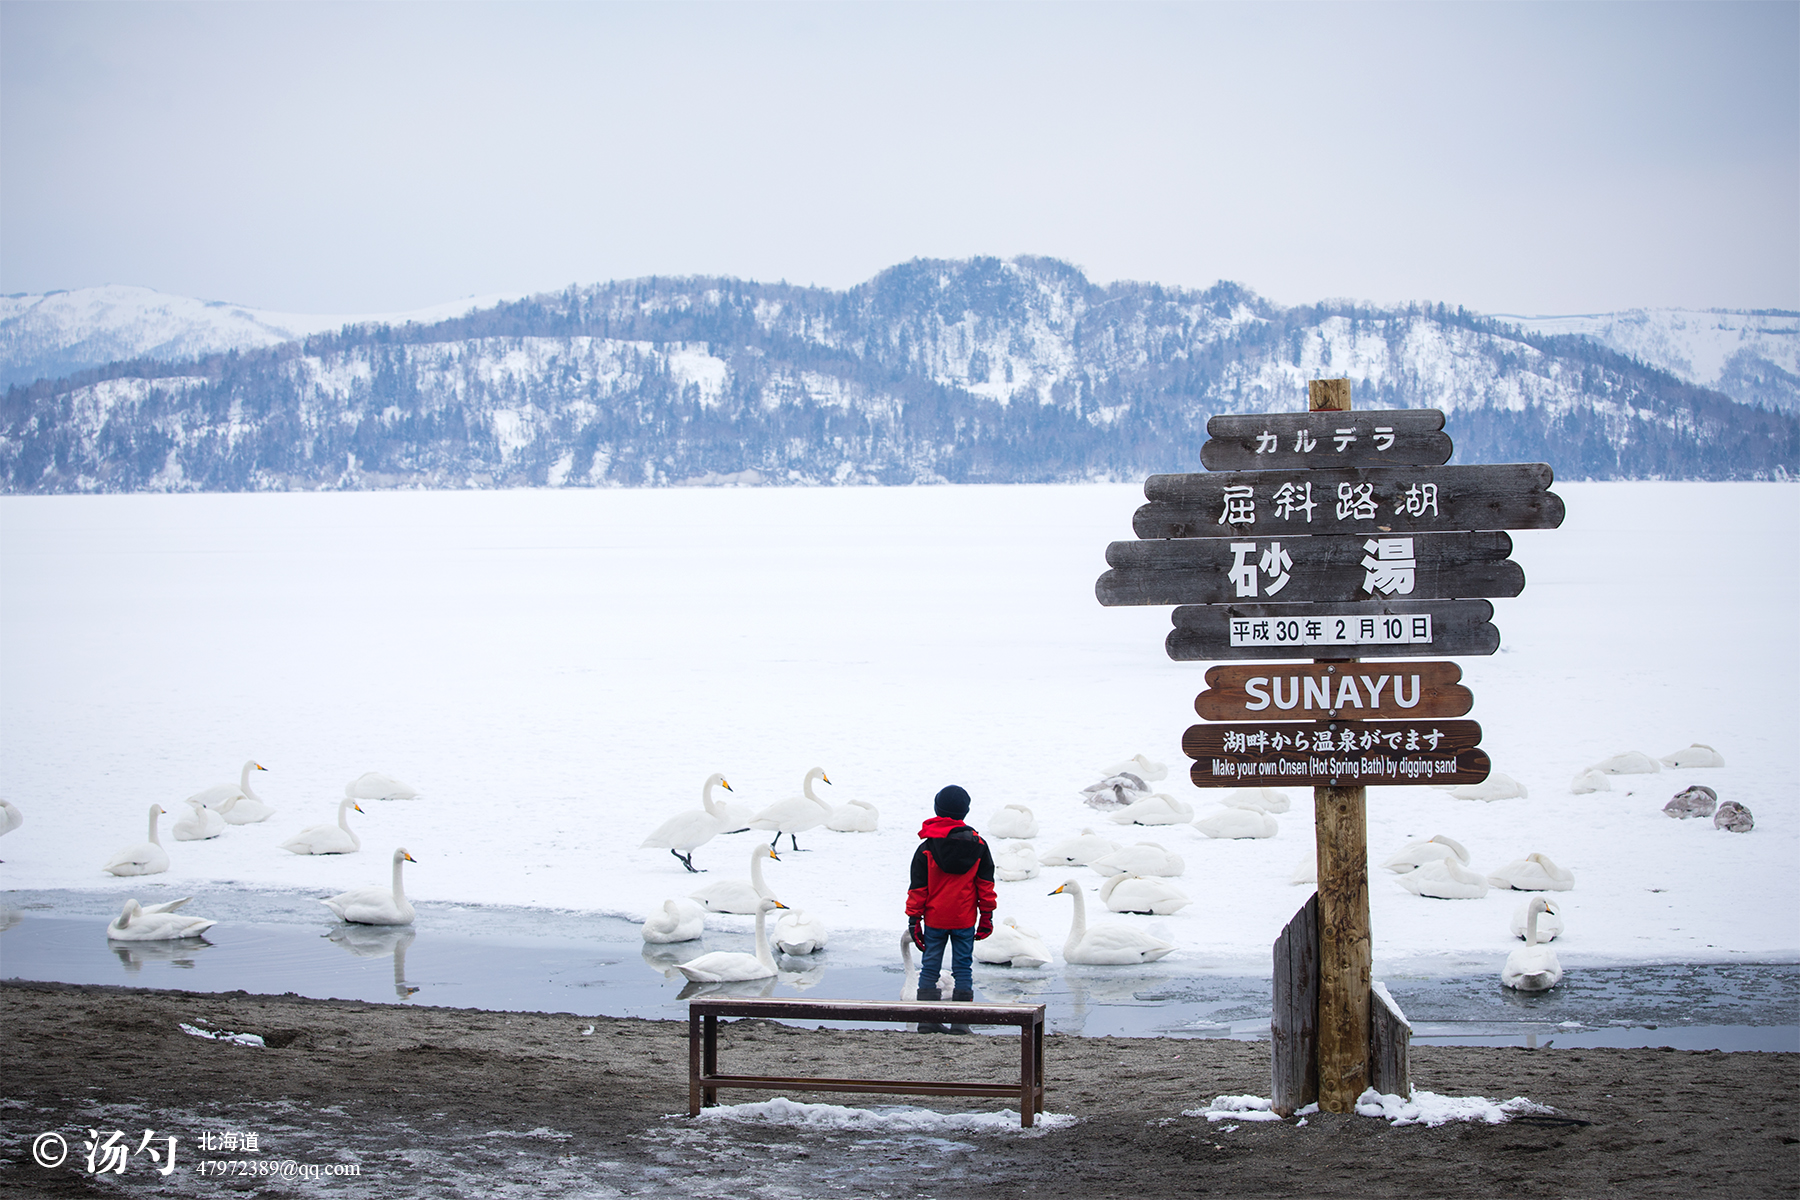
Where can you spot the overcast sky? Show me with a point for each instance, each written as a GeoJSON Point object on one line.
{"type": "Point", "coordinates": [364, 157]}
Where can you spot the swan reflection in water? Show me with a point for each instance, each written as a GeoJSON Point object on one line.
{"type": "Point", "coordinates": [749, 989]}
{"type": "Point", "coordinates": [379, 941]}
{"type": "Point", "coordinates": [177, 953]}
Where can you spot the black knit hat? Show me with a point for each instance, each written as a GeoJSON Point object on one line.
{"type": "Point", "coordinates": [952, 802]}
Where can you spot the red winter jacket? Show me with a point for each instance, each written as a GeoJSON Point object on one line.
{"type": "Point", "coordinates": [952, 875]}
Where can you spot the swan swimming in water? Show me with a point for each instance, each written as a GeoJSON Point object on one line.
{"type": "Point", "coordinates": [1106, 945]}
{"type": "Point", "coordinates": [1135, 894]}
{"type": "Point", "coordinates": [1012, 821]}
{"type": "Point", "coordinates": [1009, 945]}
{"type": "Point", "coordinates": [373, 785]}
{"type": "Point", "coordinates": [1532, 967]}
{"type": "Point", "coordinates": [798, 933]}
{"type": "Point", "coordinates": [145, 858]}
{"type": "Point", "coordinates": [376, 905]}
{"type": "Point", "coordinates": [219, 794]}
{"type": "Point", "coordinates": [328, 839]}
{"type": "Point", "coordinates": [692, 829]}
{"type": "Point", "coordinates": [734, 966]}
{"type": "Point", "coordinates": [796, 814]}
{"type": "Point", "coordinates": [158, 923]}
{"type": "Point", "coordinates": [737, 895]}
{"type": "Point", "coordinates": [675, 921]}
{"type": "Point", "coordinates": [198, 825]}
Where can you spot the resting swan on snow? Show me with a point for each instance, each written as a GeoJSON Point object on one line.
{"type": "Point", "coordinates": [798, 933]}
{"type": "Point", "coordinates": [1158, 809]}
{"type": "Point", "coordinates": [1696, 755]}
{"type": "Point", "coordinates": [145, 858]}
{"type": "Point", "coordinates": [1015, 861]}
{"type": "Point", "coordinates": [1078, 851]}
{"type": "Point", "coordinates": [796, 814]}
{"type": "Point", "coordinates": [376, 905]}
{"type": "Point", "coordinates": [692, 829]}
{"type": "Point", "coordinates": [853, 816]}
{"type": "Point", "coordinates": [1106, 945]}
{"type": "Point", "coordinates": [1532, 967]}
{"type": "Point", "coordinates": [219, 794]}
{"type": "Point", "coordinates": [158, 923]}
{"type": "Point", "coordinates": [373, 785]}
{"type": "Point", "coordinates": [1012, 821]}
{"type": "Point", "coordinates": [328, 839]}
{"type": "Point", "coordinates": [1533, 873]}
{"type": "Point", "coordinates": [1145, 858]}
{"type": "Point", "coordinates": [1416, 854]}
{"type": "Point", "coordinates": [1238, 823]}
{"type": "Point", "coordinates": [675, 921]}
{"type": "Point", "coordinates": [1135, 894]}
{"type": "Point", "coordinates": [1263, 799]}
{"type": "Point", "coordinates": [738, 895]}
{"type": "Point", "coordinates": [734, 966]}
{"type": "Point", "coordinates": [1010, 945]}
{"type": "Point", "coordinates": [1143, 768]}
{"type": "Point", "coordinates": [200, 824]}
{"type": "Point", "coordinates": [1445, 879]}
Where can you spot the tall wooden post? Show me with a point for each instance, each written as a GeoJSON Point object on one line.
{"type": "Point", "coordinates": [1340, 825]}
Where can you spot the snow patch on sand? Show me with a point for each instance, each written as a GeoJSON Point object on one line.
{"type": "Point", "coordinates": [884, 1119]}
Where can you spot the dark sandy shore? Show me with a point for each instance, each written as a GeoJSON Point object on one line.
{"type": "Point", "coordinates": [444, 1102]}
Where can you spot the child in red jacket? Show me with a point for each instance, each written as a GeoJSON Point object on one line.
{"type": "Point", "coordinates": [951, 900]}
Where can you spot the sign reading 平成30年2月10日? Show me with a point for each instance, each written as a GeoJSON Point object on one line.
{"type": "Point", "coordinates": [1382, 629]}
{"type": "Point", "coordinates": [1336, 754]}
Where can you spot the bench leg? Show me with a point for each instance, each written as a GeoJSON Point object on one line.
{"type": "Point", "coordinates": [1027, 1078]}
{"type": "Point", "coordinates": [693, 1063]}
{"type": "Point", "coordinates": [710, 1059]}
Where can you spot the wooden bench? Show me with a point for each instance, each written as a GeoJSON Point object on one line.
{"type": "Point", "coordinates": [704, 1079]}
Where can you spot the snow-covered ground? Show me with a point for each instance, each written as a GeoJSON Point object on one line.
{"type": "Point", "coordinates": [559, 671]}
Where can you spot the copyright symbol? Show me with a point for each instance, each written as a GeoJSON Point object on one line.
{"type": "Point", "coordinates": [49, 1149]}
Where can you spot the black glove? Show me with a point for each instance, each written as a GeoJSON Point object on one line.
{"type": "Point", "coordinates": [916, 927]}
{"type": "Point", "coordinates": [985, 926]}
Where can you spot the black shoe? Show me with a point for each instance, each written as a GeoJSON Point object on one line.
{"type": "Point", "coordinates": [931, 1026]}
{"type": "Point", "coordinates": [961, 997]}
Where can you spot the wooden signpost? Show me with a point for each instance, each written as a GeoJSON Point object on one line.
{"type": "Point", "coordinates": [1335, 536]}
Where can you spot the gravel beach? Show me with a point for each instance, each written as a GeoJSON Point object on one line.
{"type": "Point", "coordinates": [438, 1101]}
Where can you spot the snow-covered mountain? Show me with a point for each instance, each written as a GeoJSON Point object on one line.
{"type": "Point", "coordinates": [1750, 356]}
{"type": "Point", "coordinates": [976, 370]}
{"type": "Point", "coordinates": [56, 334]}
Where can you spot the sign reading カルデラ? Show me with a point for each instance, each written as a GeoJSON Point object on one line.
{"type": "Point", "coordinates": [1396, 437]}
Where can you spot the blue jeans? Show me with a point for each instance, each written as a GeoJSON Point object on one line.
{"type": "Point", "coordinates": [962, 957]}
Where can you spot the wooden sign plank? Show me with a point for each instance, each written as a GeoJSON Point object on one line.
{"type": "Point", "coordinates": [1424, 566]}
{"type": "Point", "coordinates": [1336, 754]}
{"type": "Point", "coordinates": [1372, 629]}
{"type": "Point", "coordinates": [1402, 437]}
{"type": "Point", "coordinates": [1354, 500]}
{"type": "Point", "coordinates": [1315, 691]}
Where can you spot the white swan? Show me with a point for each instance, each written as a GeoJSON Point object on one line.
{"type": "Point", "coordinates": [1237, 823]}
{"type": "Point", "coordinates": [1078, 851]}
{"type": "Point", "coordinates": [1012, 945]}
{"type": "Point", "coordinates": [909, 978]}
{"type": "Point", "coordinates": [1533, 873]}
{"type": "Point", "coordinates": [1143, 768]}
{"type": "Point", "coordinates": [1115, 791]}
{"type": "Point", "coordinates": [1263, 799]}
{"type": "Point", "coordinates": [145, 858]}
{"type": "Point", "coordinates": [1145, 858]}
{"type": "Point", "coordinates": [1696, 755]}
{"type": "Point", "coordinates": [328, 839]}
{"type": "Point", "coordinates": [1495, 787]}
{"type": "Point", "coordinates": [1135, 894]}
{"type": "Point", "coordinates": [1414, 855]}
{"type": "Point", "coordinates": [1696, 800]}
{"type": "Point", "coordinates": [1735, 817]}
{"type": "Point", "coordinates": [158, 923]}
{"type": "Point", "coordinates": [1106, 945]}
{"type": "Point", "coordinates": [1445, 879]}
{"type": "Point", "coordinates": [737, 895]}
{"type": "Point", "coordinates": [854, 816]}
{"type": "Point", "coordinates": [1532, 967]}
{"type": "Point", "coordinates": [1550, 921]}
{"type": "Point", "coordinates": [218, 794]}
{"type": "Point", "coordinates": [198, 825]}
{"type": "Point", "coordinates": [376, 905]}
{"type": "Point", "coordinates": [1305, 871]}
{"type": "Point", "coordinates": [734, 966]}
{"type": "Point", "coordinates": [796, 814]}
{"type": "Point", "coordinates": [1629, 762]}
{"type": "Point", "coordinates": [373, 785]}
{"type": "Point", "coordinates": [692, 829]}
{"type": "Point", "coordinates": [1159, 809]}
{"type": "Point", "coordinates": [797, 932]}
{"type": "Point", "coordinates": [10, 817]}
{"type": "Point", "coordinates": [675, 921]}
{"type": "Point", "coordinates": [1012, 821]}
{"type": "Point", "coordinates": [1589, 781]}
{"type": "Point", "coordinates": [1015, 861]}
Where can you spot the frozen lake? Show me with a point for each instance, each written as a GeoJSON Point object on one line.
{"type": "Point", "coordinates": [559, 671]}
